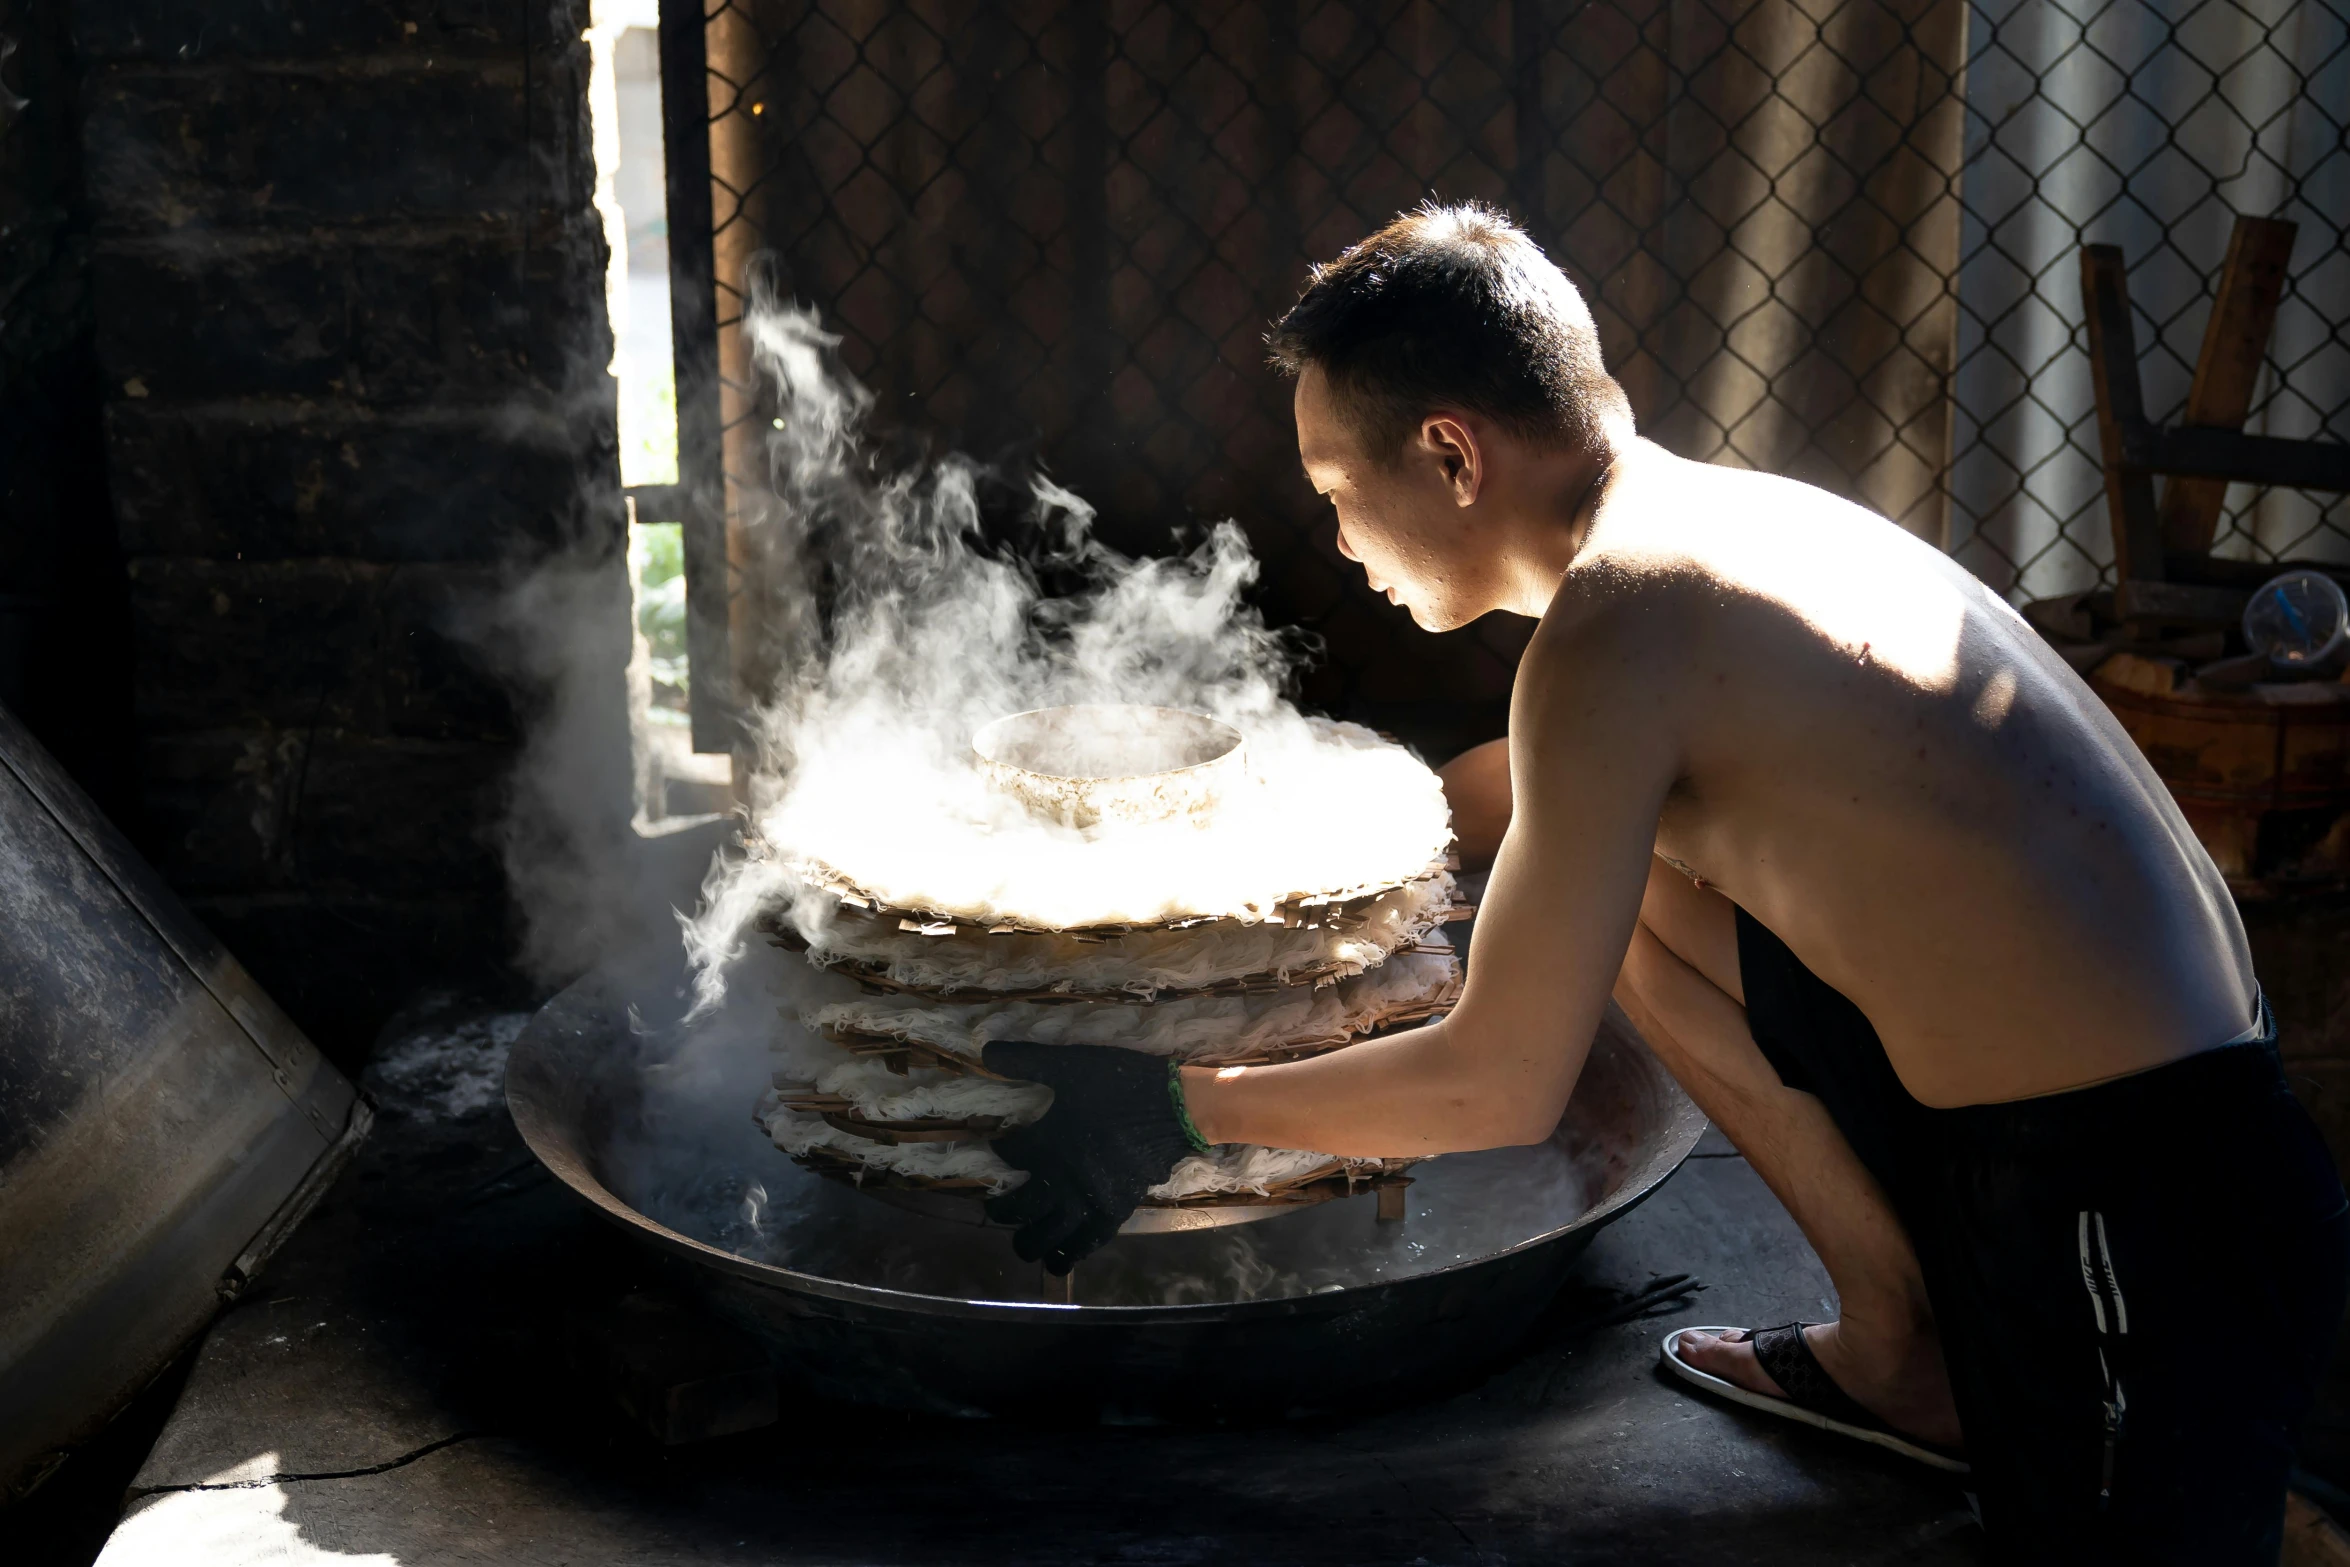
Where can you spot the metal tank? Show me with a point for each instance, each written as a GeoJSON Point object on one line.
{"type": "Point", "coordinates": [162, 1124]}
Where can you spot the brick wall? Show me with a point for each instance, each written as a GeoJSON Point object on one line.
{"type": "Point", "coordinates": [349, 295]}
{"type": "Point", "coordinates": [64, 669]}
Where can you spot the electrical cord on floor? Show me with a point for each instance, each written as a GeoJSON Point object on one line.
{"type": "Point", "coordinates": [1660, 1298]}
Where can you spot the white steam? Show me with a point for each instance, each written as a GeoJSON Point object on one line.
{"type": "Point", "coordinates": [932, 629]}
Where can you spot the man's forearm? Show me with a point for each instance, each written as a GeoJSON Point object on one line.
{"type": "Point", "coordinates": [1477, 787]}
{"type": "Point", "coordinates": [1410, 1095]}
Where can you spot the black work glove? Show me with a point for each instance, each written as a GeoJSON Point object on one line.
{"type": "Point", "coordinates": [1113, 1133]}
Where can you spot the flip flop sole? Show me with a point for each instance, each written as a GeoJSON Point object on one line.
{"type": "Point", "coordinates": [1787, 1409]}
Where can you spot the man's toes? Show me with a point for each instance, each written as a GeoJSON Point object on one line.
{"type": "Point", "coordinates": [1708, 1352]}
{"type": "Point", "coordinates": [1732, 1360]}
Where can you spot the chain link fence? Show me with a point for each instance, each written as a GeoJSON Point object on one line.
{"type": "Point", "coordinates": [1056, 233]}
{"type": "Point", "coordinates": [1831, 240]}
{"type": "Point", "coordinates": [2149, 126]}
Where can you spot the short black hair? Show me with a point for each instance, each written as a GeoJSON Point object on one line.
{"type": "Point", "coordinates": [1451, 306]}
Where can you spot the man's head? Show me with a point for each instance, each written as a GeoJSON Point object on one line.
{"type": "Point", "coordinates": [1449, 380]}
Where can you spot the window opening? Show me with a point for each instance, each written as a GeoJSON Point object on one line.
{"type": "Point", "coordinates": [674, 779]}
{"type": "Point", "coordinates": [625, 104]}
{"type": "Point", "coordinates": [641, 358]}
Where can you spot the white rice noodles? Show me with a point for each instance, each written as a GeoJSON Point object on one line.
{"type": "Point", "coordinates": [1330, 814]}
{"type": "Point", "coordinates": [925, 1093]}
{"type": "Point", "coordinates": [1234, 1169]}
{"type": "Point", "coordinates": [1237, 1168]}
{"type": "Point", "coordinates": [1191, 1028]}
{"type": "Point", "coordinates": [1140, 963]}
{"type": "Point", "coordinates": [1328, 810]}
{"type": "Point", "coordinates": [1200, 1028]}
{"type": "Point", "coordinates": [799, 1134]}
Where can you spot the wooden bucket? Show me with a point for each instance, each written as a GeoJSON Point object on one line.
{"type": "Point", "coordinates": [2263, 775]}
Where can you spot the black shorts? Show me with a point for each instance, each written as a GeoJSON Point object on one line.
{"type": "Point", "coordinates": [2137, 1283]}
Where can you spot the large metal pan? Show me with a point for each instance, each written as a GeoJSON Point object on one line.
{"type": "Point", "coordinates": [1367, 1313]}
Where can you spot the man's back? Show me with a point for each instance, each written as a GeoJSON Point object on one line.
{"type": "Point", "coordinates": [1882, 763]}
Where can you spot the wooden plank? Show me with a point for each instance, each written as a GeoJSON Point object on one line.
{"type": "Point", "coordinates": [2311, 1538]}
{"type": "Point", "coordinates": [2179, 604]}
{"type": "Point", "coordinates": [693, 336]}
{"type": "Point", "coordinates": [2121, 412]}
{"type": "Point", "coordinates": [2229, 454]}
{"type": "Point", "coordinates": [657, 502]}
{"type": "Point", "coordinates": [2227, 370]}
{"type": "Point", "coordinates": [2217, 572]}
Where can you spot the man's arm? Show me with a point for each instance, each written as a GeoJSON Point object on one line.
{"type": "Point", "coordinates": [1477, 787]}
{"type": "Point", "coordinates": [1592, 754]}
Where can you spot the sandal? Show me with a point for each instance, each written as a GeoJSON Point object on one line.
{"type": "Point", "coordinates": [1813, 1398]}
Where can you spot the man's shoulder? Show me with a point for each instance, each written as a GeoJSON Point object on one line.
{"type": "Point", "coordinates": [1653, 552]}
{"type": "Point", "coordinates": [1713, 519]}
{"type": "Point", "coordinates": [1681, 542]}
{"type": "Point", "coordinates": [1609, 643]}
{"type": "Point", "coordinates": [1699, 566]}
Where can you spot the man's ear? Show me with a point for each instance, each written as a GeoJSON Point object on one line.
{"type": "Point", "coordinates": [1448, 439]}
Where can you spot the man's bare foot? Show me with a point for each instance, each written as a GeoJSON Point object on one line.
{"type": "Point", "coordinates": [1902, 1383]}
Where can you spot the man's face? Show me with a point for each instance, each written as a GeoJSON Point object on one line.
{"type": "Point", "coordinates": [1404, 520]}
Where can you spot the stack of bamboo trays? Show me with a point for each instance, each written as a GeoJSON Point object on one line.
{"type": "Point", "coordinates": [889, 1092]}
{"type": "Point", "coordinates": [887, 1089]}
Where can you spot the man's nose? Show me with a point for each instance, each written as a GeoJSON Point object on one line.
{"type": "Point", "coordinates": [1345, 548]}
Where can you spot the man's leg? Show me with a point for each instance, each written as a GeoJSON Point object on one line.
{"type": "Point", "coordinates": [1680, 985]}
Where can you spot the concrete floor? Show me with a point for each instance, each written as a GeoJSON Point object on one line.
{"type": "Point", "coordinates": [394, 1392]}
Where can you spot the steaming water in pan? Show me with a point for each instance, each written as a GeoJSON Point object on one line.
{"type": "Point", "coordinates": [1105, 740]}
{"type": "Point", "coordinates": [685, 1154]}
{"type": "Point", "coordinates": [1464, 1207]}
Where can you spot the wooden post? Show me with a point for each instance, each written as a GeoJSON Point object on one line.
{"type": "Point", "coordinates": [700, 504]}
{"type": "Point", "coordinates": [2227, 370]}
{"type": "Point", "coordinates": [2121, 414]}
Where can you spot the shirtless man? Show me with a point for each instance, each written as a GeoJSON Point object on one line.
{"type": "Point", "coordinates": [1881, 883]}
